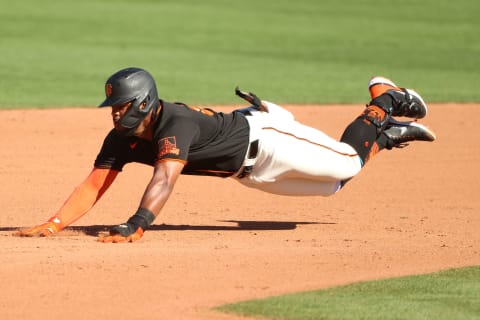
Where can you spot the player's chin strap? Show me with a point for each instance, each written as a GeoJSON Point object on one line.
{"type": "Point", "coordinates": [252, 98]}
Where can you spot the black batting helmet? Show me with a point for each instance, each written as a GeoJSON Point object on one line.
{"type": "Point", "coordinates": [131, 85]}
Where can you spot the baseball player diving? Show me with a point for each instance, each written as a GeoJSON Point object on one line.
{"type": "Point", "coordinates": [252, 145]}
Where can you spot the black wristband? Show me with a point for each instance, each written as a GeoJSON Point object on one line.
{"type": "Point", "coordinates": [143, 218]}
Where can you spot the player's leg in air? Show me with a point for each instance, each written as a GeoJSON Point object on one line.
{"type": "Point", "coordinates": [376, 128]}
{"type": "Point", "coordinates": [295, 159]}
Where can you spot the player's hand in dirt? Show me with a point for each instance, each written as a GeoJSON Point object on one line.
{"type": "Point", "coordinates": [122, 233]}
{"type": "Point", "coordinates": [44, 230]}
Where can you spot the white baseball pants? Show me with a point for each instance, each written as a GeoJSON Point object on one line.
{"type": "Point", "coordinates": [295, 159]}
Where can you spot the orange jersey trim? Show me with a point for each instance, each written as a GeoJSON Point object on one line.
{"type": "Point", "coordinates": [213, 172]}
{"type": "Point", "coordinates": [171, 159]}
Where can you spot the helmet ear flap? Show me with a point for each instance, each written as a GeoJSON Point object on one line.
{"type": "Point", "coordinates": [135, 114]}
{"type": "Point", "coordinates": [132, 117]}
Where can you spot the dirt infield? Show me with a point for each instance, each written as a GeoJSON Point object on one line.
{"type": "Point", "coordinates": [410, 211]}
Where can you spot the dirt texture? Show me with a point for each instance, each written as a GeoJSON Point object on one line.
{"type": "Point", "coordinates": [410, 211]}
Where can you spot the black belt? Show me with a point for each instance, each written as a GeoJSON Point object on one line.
{"type": "Point", "coordinates": [252, 154]}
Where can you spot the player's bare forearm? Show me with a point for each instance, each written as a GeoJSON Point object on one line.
{"type": "Point", "coordinates": [154, 198]}
{"type": "Point", "coordinates": [161, 185]}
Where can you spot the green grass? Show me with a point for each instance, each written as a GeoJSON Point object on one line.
{"type": "Point", "coordinates": [448, 295]}
{"type": "Point", "coordinates": [60, 52]}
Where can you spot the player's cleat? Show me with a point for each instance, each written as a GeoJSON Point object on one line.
{"type": "Point", "coordinates": [406, 102]}
{"type": "Point", "coordinates": [399, 133]}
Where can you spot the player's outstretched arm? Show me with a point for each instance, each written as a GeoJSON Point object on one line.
{"type": "Point", "coordinates": [154, 198]}
{"type": "Point", "coordinates": [78, 203]}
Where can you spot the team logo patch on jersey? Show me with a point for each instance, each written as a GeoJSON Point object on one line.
{"type": "Point", "coordinates": [108, 89]}
{"type": "Point", "coordinates": [168, 146]}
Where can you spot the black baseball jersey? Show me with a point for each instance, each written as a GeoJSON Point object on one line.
{"type": "Point", "coordinates": [208, 142]}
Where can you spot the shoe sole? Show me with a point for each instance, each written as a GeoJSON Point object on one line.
{"type": "Point", "coordinates": [429, 134]}
{"type": "Point", "coordinates": [381, 80]}
{"type": "Point", "coordinates": [415, 94]}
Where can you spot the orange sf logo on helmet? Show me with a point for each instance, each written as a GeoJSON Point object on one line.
{"type": "Point", "coordinates": [108, 89]}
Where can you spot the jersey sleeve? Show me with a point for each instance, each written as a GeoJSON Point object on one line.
{"type": "Point", "coordinates": [110, 155]}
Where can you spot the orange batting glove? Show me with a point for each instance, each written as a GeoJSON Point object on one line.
{"type": "Point", "coordinates": [44, 230]}
{"type": "Point", "coordinates": [123, 236]}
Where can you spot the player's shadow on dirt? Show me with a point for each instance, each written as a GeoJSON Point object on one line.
{"type": "Point", "coordinates": [95, 230]}
{"type": "Point", "coordinates": [240, 226]}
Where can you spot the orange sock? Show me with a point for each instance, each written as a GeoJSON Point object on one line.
{"type": "Point", "coordinates": [375, 114]}
{"type": "Point", "coordinates": [363, 132]}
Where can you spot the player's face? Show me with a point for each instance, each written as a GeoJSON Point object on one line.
{"type": "Point", "coordinates": [118, 112]}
